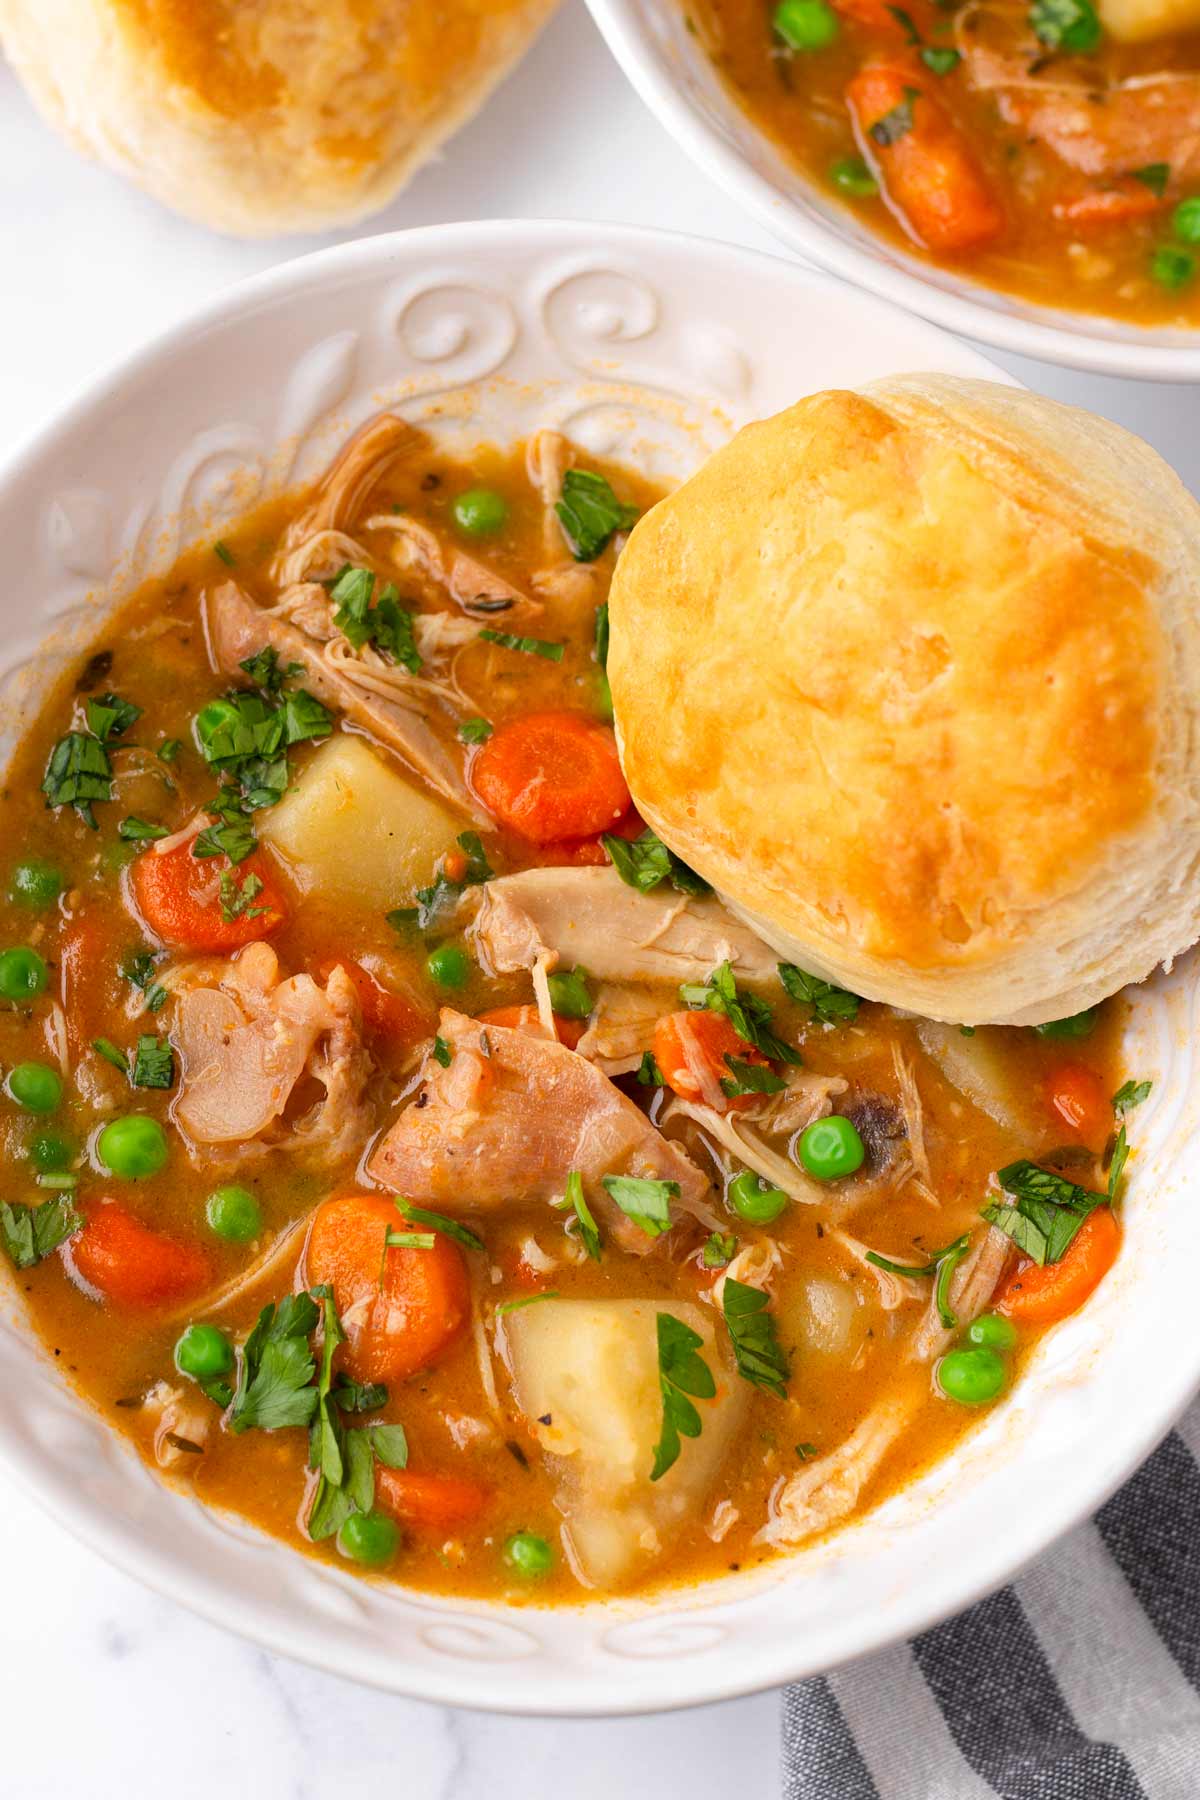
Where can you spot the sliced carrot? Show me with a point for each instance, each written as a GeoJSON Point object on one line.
{"type": "Point", "coordinates": [527, 1018]}
{"type": "Point", "coordinates": [1078, 1098]}
{"type": "Point", "coordinates": [386, 1014]}
{"type": "Point", "coordinates": [924, 164]}
{"type": "Point", "coordinates": [1041, 1296]}
{"type": "Point", "coordinates": [1116, 205]}
{"type": "Point", "coordinates": [402, 1306]}
{"type": "Point", "coordinates": [429, 1502]}
{"type": "Point", "coordinates": [86, 980]}
{"type": "Point", "coordinates": [132, 1265]}
{"type": "Point", "coordinates": [589, 852]}
{"type": "Point", "coordinates": [690, 1049]}
{"type": "Point", "coordinates": [552, 775]}
{"type": "Point", "coordinates": [878, 15]}
{"type": "Point", "coordinates": [179, 897]}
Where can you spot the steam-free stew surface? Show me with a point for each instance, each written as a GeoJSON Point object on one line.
{"type": "Point", "coordinates": [238, 1059]}
{"type": "Point", "coordinates": [1047, 149]}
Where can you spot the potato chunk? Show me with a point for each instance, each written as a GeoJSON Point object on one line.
{"type": "Point", "coordinates": [353, 827]}
{"type": "Point", "coordinates": [585, 1375]}
{"type": "Point", "coordinates": [1137, 21]}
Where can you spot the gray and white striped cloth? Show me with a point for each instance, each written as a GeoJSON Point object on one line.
{"type": "Point", "coordinates": [1081, 1681]}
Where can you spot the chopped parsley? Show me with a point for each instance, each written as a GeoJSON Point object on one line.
{"type": "Point", "coordinates": [476, 730]}
{"type": "Point", "coordinates": [1131, 1094]}
{"type": "Point", "coordinates": [590, 513]}
{"type": "Point", "coordinates": [831, 1005]}
{"type": "Point", "coordinates": [1068, 25]}
{"type": "Point", "coordinates": [511, 1306]}
{"type": "Point", "coordinates": [648, 1073]}
{"type": "Point", "coordinates": [153, 1063]}
{"type": "Point", "coordinates": [749, 1016]}
{"type": "Point", "coordinates": [224, 554]}
{"type": "Point", "coordinates": [646, 861]}
{"type": "Point", "coordinates": [245, 738]}
{"type": "Point", "coordinates": [1155, 176]}
{"type": "Point", "coordinates": [749, 1078]}
{"type": "Point", "coordinates": [417, 1215]}
{"type": "Point", "coordinates": [682, 1374]}
{"type": "Point", "coordinates": [31, 1233]}
{"type": "Point", "coordinates": [529, 646]}
{"type": "Point", "coordinates": [110, 717]}
{"type": "Point", "coordinates": [940, 61]}
{"type": "Point", "coordinates": [237, 896]}
{"type": "Point", "coordinates": [265, 671]}
{"type": "Point", "coordinates": [137, 968]}
{"type": "Point", "coordinates": [569, 995]}
{"type": "Point", "coordinates": [78, 774]}
{"type": "Point", "coordinates": [359, 1396]}
{"type": "Point", "coordinates": [942, 1264]}
{"type": "Point", "coordinates": [168, 750]}
{"type": "Point", "coordinates": [443, 893]}
{"type": "Point", "coordinates": [589, 1231]}
{"type": "Point", "coordinates": [719, 1251]}
{"type": "Point", "coordinates": [344, 1459]}
{"type": "Point", "coordinates": [647, 1203]}
{"type": "Point", "coordinates": [385, 624]}
{"type": "Point", "coordinates": [140, 831]}
{"type": "Point", "coordinates": [112, 1053]}
{"type": "Point", "coordinates": [442, 1053]}
{"type": "Point", "coordinates": [1047, 1211]}
{"type": "Point", "coordinates": [760, 1357]}
{"type": "Point", "coordinates": [897, 123]}
{"type": "Point", "coordinates": [601, 634]}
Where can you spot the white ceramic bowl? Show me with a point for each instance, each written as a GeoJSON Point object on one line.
{"type": "Point", "coordinates": [652, 347]}
{"type": "Point", "coordinates": [671, 72]}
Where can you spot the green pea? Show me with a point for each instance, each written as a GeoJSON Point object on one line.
{"type": "Point", "coordinates": [852, 176]}
{"type": "Point", "coordinates": [215, 717]}
{"type": "Point", "coordinates": [23, 973]}
{"type": "Point", "coordinates": [806, 24]}
{"type": "Point", "coordinates": [480, 511]}
{"type": "Point", "coordinates": [1172, 268]}
{"type": "Point", "coordinates": [830, 1148]}
{"type": "Point", "coordinates": [1078, 1025]}
{"type": "Point", "coordinates": [972, 1377]}
{"type": "Point", "coordinates": [448, 966]}
{"type": "Point", "coordinates": [36, 884]}
{"type": "Point", "coordinates": [753, 1200]}
{"type": "Point", "coordinates": [203, 1352]}
{"type": "Point", "coordinates": [369, 1538]}
{"type": "Point", "coordinates": [992, 1331]}
{"type": "Point", "coordinates": [233, 1213]}
{"type": "Point", "coordinates": [529, 1555]}
{"type": "Point", "coordinates": [35, 1086]}
{"type": "Point", "coordinates": [569, 994]}
{"type": "Point", "coordinates": [1185, 220]}
{"type": "Point", "coordinates": [132, 1146]}
{"type": "Point", "coordinates": [47, 1151]}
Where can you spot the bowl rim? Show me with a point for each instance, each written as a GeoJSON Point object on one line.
{"type": "Point", "coordinates": [621, 23]}
{"type": "Point", "coordinates": [751, 1671]}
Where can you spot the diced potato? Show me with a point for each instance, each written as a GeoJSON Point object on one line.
{"type": "Point", "coordinates": [1136, 21]}
{"type": "Point", "coordinates": [356, 829]}
{"type": "Point", "coordinates": [981, 1071]}
{"type": "Point", "coordinates": [590, 1368]}
{"type": "Point", "coordinates": [826, 1317]}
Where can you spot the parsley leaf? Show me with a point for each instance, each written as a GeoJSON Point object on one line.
{"type": "Point", "coordinates": [601, 635]}
{"type": "Point", "coordinates": [108, 716]}
{"type": "Point", "coordinates": [1070, 25]}
{"type": "Point", "coordinates": [681, 1372]}
{"type": "Point", "coordinates": [31, 1233]}
{"type": "Point", "coordinates": [443, 893]}
{"type": "Point", "coordinates": [386, 624]}
{"type": "Point", "coordinates": [137, 967]}
{"type": "Point", "coordinates": [1048, 1210]}
{"type": "Point", "coordinates": [417, 1215]}
{"type": "Point", "coordinates": [359, 1396]}
{"type": "Point", "coordinates": [1116, 1167]}
{"type": "Point", "coordinates": [153, 1063]}
{"type": "Point", "coordinates": [237, 895]}
{"type": "Point", "coordinates": [589, 1231]}
{"type": "Point", "coordinates": [647, 1203]}
{"type": "Point", "coordinates": [265, 671]}
{"type": "Point", "coordinates": [77, 774]}
{"type": "Point", "coordinates": [233, 838]}
{"type": "Point", "coordinates": [1155, 176]}
{"type": "Point", "coordinates": [590, 513]}
{"type": "Point", "coordinates": [442, 1053]}
{"type": "Point", "coordinates": [112, 1053]}
{"type": "Point", "coordinates": [510, 1306]}
{"type": "Point", "coordinates": [138, 831]}
{"type": "Point", "coordinates": [646, 861]}
{"type": "Point", "coordinates": [941, 1263]}
{"type": "Point", "coordinates": [831, 1005]}
{"type": "Point", "coordinates": [759, 1355]}
{"type": "Point", "coordinates": [476, 730]}
{"type": "Point", "coordinates": [648, 1073]}
{"type": "Point", "coordinates": [530, 646]}
{"type": "Point", "coordinates": [274, 1385]}
{"type": "Point", "coordinates": [749, 1016]}
{"type": "Point", "coordinates": [940, 61]}
{"type": "Point", "coordinates": [1131, 1094]}
{"type": "Point", "coordinates": [719, 1251]}
{"type": "Point", "coordinates": [749, 1078]}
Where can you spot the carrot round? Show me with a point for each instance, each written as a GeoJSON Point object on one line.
{"type": "Point", "coordinates": [552, 775]}
{"type": "Point", "coordinates": [127, 1262]}
{"type": "Point", "coordinates": [429, 1502]}
{"type": "Point", "coordinates": [690, 1049]}
{"type": "Point", "coordinates": [179, 897]}
{"type": "Point", "coordinates": [1042, 1296]}
{"type": "Point", "coordinates": [589, 852]}
{"type": "Point", "coordinates": [527, 1018]}
{"type": "Point", "coordinates": [922, 161]}
{"type": "Point", "coordinates": [401, 1306]}
{"type": "Point", "coordinates": [1125, 200]}
{"type": "Point", "coordinates": [1078, 1099]}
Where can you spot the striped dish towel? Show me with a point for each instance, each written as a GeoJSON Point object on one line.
{"type": "Point", "coordinates": [1081, 1681]}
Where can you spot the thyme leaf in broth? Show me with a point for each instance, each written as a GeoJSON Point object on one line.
{"type": "Point", "coordinates": [682, 1375]}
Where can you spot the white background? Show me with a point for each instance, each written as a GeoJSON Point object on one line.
{"type": "Point", "coordinates": [106, 1689]}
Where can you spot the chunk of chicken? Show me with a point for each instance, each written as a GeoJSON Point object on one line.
{"type": "Point", "coordinates": [591, 917]}
{"type": "Point", "coordinates": [343, 489]}
{"type": "Point", "coordinates": [482, 592]}
{"type": "Point", "coordinates": [508, 1120]}
{"type": "Point", "coordinates": [245, 1037]}
{"type": "Point", "coordinates": [398, 716]}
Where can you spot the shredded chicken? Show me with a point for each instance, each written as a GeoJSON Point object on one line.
{"type": "Point", "coordinates": [914, 1115]}
{"type": "Point", "coordinates": [744, 1143]}
{"type": "Point", "coordinates": [590, 917]}
{"type": "Point", "coordinates": [807, 1096]}
{"type": "Point", "coordinates": [317, 559]}
{"type": "Point", "coordinates": [343, 489]}
{"type": "Point", "coordinates": [621, 1027]}
{"type": "Point", "coordinates": [480, 591]}
{"type": "Point", "coordinates": [754, 1266]}
{"type": "Point", "coordinates": [509, 1119]}
{"type": "Point", "coordinates": [377, 695]}
{"type": "Point", "coordinates": [894, 1291]}
{"type": "Point", "coordinates": [246, 1040]}
{"type": "Point", "coordinates": [181, 1424]}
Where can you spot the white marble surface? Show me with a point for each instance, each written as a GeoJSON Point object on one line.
{"type": "Point", "coordinates": [108, 1690]}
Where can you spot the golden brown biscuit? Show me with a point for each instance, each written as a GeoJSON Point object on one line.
{"type": "Point", "coordinates": [263, 116]}
{"type": "Point", "coordinates": [912, 676]}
